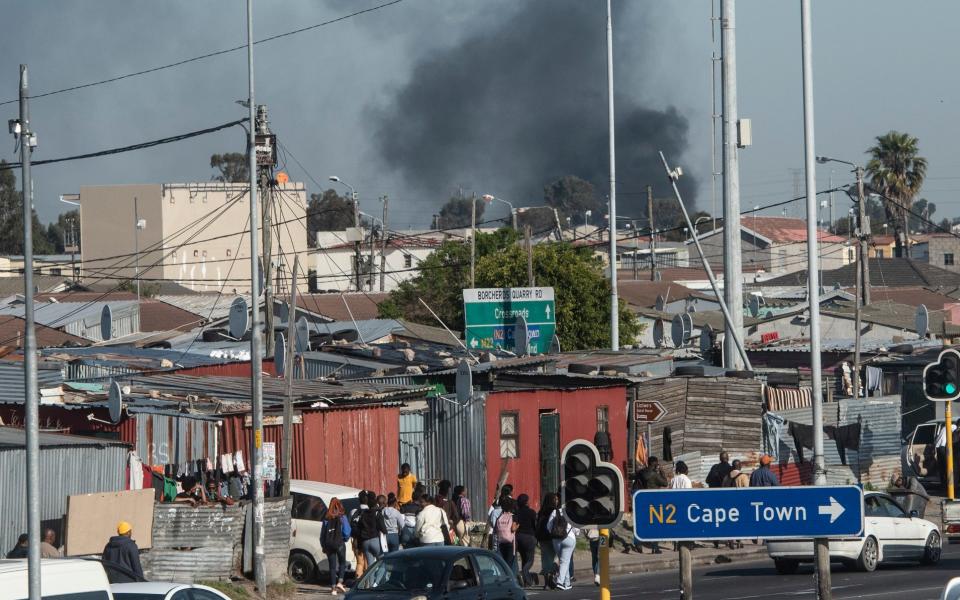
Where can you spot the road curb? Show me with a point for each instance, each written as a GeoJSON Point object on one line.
{"type": "Point", "coordinates": [669, 560]}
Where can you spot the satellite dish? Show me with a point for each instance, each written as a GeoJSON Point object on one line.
{"type": "Point", "coordinates": [922, 321]}
{"type": "Point", "coordinates": [280, 355]}
{"type": "Point", "coordinates": [658, 333]}
{"type": "Point", "coordinates": [284, 313]}
{"type": "Point", "coordinates": [687, 322]}
{"type": "Point", "coordinates": [754, 305]}
{"type": "Point", "coordinates": [239, 317]}
{"type": "Point", "coordinates": [555, 344]}
{"type": "Point", "coordinates": [706, 339]}
{"type": "Point", "coordinates": [661, 303]}
{"type": "Point", "coordinates": [676, 331]}
{"type": "Point", "coordinates": [691, 307]}
{"type": "Point", "coordinates": [464, 382]}
{"type": "Point", "coordinates": [302, 341]}
{"type": "Point", "coordinates": [115, 402]}
{"type": "Point", "coordinates": [836, 286]}
{"type": "Point", "coordinates": [106, 322]}
{"type": "Point", "coordinates": [521, 343]}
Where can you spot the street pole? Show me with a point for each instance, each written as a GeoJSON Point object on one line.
{"type": "Point", "coordinates": [614, 301]}
{"type": "Point", "coordinates": [864, 242]}
{"type": "Point", "coordinates": [856, 328]}
{"type": "Point", "coordinates": [821, 545]}
{"type": "Point", "coordinates": [732, 264]}
{"type": "Point", "coordinates": [32, 397]}
{"type": "Point", "coordinates": [136, 244]}
{"type": "Point", "coordinates": [604, 564]}
{"type": "Point", "coordinates": [636, 250]}
{"type": "Point", "coordinates": [289, 366]}
{"type": "Point", "coordinates": [653, 241]}
{"type": "Point", "coordinates": [356, 245]}
{"type": "Point", "coordinates": [473, 241]}
{"type": "Point", "coordinates": [263, 178]}
{"type": "Point", "coordinates": [529, 245]}
{"type": "Point", "coordinates": [686, 571]}
{"type": "Point", "coordinates": [383, 244]}
{"type": "Point", "coordinates": [256, 360]}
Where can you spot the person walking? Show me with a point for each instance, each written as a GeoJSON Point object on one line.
{"type": "Point", "coordinates": [406, 482]}
{"type": "Point", "coordinates": [393, 519]}
{"type": "Point", "coordinates": [466, 514]}
{"type": "Point", "coordinates": [526, 538]}
{"type": "Point", "coordinates": [728, 480]}
{"type": "Point", "coordinates": [653, 477]}
{"type": "Point", "coordinates": [432, 527]}
{"type": "Point", "coordinates": [48, 548]}
{"type": "Point", "coordinates": [763, 476]}
{"type": "Point", "coordinates": [354, 518]}
{"type": "Point", "coordinates": [593, 536]}
{"type": "Point", "coordinates": [506, 529]}
{"type": "Point", "coordinates": [718, 472]}
{"type": "Point", "coordinates": [564, 542]}
{"type": "Point", "coordinates": [681, 481]}
{"type": "Point", "coordinates": [547, 556]}
{"type": "Point", "coordinates": [449, 506]}
{"type": "Point", "coordinates": [494, 512]}
{"type": "Point", "coordinates": [334, 535]}
{"type": "Point", "coordinates": [22, 548]}
{"type": "Point", "coordinates": [410, 510]}
{"type": "Point", "coordinates": [368, 530]}
{"type": "Point", "coordinates": [122, 550]}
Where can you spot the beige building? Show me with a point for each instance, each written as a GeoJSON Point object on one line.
{"type": "Point", "coordinates": [189, 233]}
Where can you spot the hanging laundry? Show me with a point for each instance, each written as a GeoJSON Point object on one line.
{"type": "Point", "coordinates": [135, 466]}
{"type": "Point", "coordinates": [773, 425]}
{"type": "Point", "coordinates": [802, 437]}
{"type": "Point", "coordinates": [847, 437]}
{"type": "Point", "coordinates": [874, 380]}
{"type": "Point", "coordinates": [226, 463]}
{"type": "Point", "coordinates": [209, 464]}
{"type": "Point", "coordinates": [640, 456]}
{"type": "Point", "coordinates": [238, 461]}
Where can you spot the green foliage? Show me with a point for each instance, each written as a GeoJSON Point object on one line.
{"type": "Point", "coordinates": [582, 291]}
{"type": "Point", "coordinates": [456, 212]}
{"type": "Point", "coordinates": [58, 232]}
{"type": "Point", "coordinates": [328, 211]}
{"type": "Point", "coordinates": [572, 197]}
{"type": "Point", "coordinates": [233, 167]}
{"type": "Point", "coordinates": [897, 172]}
{"type": "Point", "coordinates": [11, 219]}
{"type": "Point", "coordinates": [148, 289]}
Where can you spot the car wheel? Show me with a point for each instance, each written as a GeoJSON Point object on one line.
{"type": "Point", "coordinates": [300, 568]}
{"type": "Point", "coordinates": [932, 549]}
{"type": "Point", "coordinates": [869, 556]}
{"type": "Point", "coordinates": [786, 566]}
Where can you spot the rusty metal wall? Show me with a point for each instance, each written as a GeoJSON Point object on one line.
{"type": "Point", "coordinates": [163, 439]}
{"type": "Point", "coordinates": [276, 541]}
{"type": "Point", "coordinates": [194, 544]}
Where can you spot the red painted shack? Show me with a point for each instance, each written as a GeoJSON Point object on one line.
{"type": "Point", "coordinates": [530, 427]}
{"type": "Point", "coordinates": [354, 445]}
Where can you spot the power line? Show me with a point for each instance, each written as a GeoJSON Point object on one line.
{"type": "Point", "coordinates": [204, 56]}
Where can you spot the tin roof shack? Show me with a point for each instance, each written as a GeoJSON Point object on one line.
{"type": "Point", "coordinates": [69, 465]}
{"type": "Point", "coordinates": [704, 415]}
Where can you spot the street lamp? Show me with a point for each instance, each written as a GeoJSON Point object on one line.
{"type": "Point", "coordinates": [356, 224]}
{"type": "Point", "coordinates": [488, 198]}
{"type": "Point", "coordinates": [696, 224]}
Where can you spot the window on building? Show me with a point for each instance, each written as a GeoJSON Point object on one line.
{"type": "Point", "coordinates": [948, 258]}
{"type": "Point", "coordinates": [196, 253]}
{"type": "Point", "coordinates": [509, 435]}
{"type": "Point", "coordinates": [229, 252]}
{"type": "Point", "coordinates": [55, 271]}
{"type": "Point", "coordinates": [407, 261]}
{"type": "Point", "coordinates": [850, 255]}
{"type": "Point", "coordinates": [603, 419]}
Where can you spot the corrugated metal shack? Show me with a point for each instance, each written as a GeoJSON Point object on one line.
{"type": "Point", "coordinates": [69, 465]}
{"type": "Point", "coordinates": [876, 461]}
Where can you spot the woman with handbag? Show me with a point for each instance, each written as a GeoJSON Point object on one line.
{"type": "Point", "coordinates": [506, 530]}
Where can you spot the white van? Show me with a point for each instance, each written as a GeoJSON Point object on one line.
{"type": "Point", "coordinates": [310, 501]}
{"type": "Point", "coordinates": [60, 579]}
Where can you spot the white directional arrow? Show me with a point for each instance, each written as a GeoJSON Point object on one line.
{"type": "Point", "coordinates": [473, 343]}
{"type": "Point", "coordinates": [548, 311]}
{"type": "Point", "coordinates": [834, 509]}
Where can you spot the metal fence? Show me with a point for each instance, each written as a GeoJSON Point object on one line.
{"type": "Point", "coordinates": [413, 441]}
{"type": "Point", "coordinates": [454, 437]}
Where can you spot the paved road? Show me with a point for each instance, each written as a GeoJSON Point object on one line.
{"type": "Point", "coordinates": [758, 580]}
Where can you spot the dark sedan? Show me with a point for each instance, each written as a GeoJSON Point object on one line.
{"type": "Point", "coordinates": [435, 572]}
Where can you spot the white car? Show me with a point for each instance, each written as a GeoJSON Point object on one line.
{"type": "Point", "coordinates": [155, 590]}
{"type": "Point", "coordinates": [59, 578]}
{"type": "Point", "coordinates": [890, 535]}
{"type": "Point", "coordinates": [310, 501]}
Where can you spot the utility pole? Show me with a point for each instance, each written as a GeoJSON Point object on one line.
{"type": "Point", "coordinates": [473, 241]}
{"type": "Point", "coordinates": [821, 546]}
{"type": "Point", "coordinates": [864, 235]}
{"type": "Point", "coordinates": [732, 266]}
{"type": "Point", "coordinates": [358, 261]}
{"type": "Point", "coordinates": [373, 246]}
{"type": "Point", "coordinates": [636, 250]}
{"type": "Point", "coordinates": [264, 175]}
{"type": "Point", "coordinates": [289, 375]}
{"type": "Point", "coordinates": [614, 301]}
{"type": "Point", "coordinates": [653, 240]}
{"type": "Point", "coordinates": [383, 243]}
{"type": "Point", "coordinates": [529, 244]}
{"type": "Point", "coordinates": [136, 243]}
{"type": "Point", "coordinates": [256, 359]}
{"type": "Point", "coordinates": [28, 141]}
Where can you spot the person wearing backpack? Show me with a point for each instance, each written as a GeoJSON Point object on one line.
{"type": "Point", "coordinates": [368, 529]}
{"type": "Point", "coordinates": [564, 542]}
{"type": "Point", "coordinates": [410, 510]}
{"type": "Point", "coordinates": [526, 520]}
{"type": "Point", "coordinates": [334, 534]}
{"type": "Point", "coordinates": [354, 518]}
{"type": "Point", "coordinates": [506, 529]}
{"type": "Point", "coordinates": [547, 556]}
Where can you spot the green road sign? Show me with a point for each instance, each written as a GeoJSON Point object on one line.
{"type": "Point", "coordinates": [490, 315]}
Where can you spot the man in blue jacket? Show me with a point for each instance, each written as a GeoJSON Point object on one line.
{"type": "Point", "coordinates": [122, 550]}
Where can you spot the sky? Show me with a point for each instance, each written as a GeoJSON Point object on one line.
{"type": "Point", "coordinates": [426, 97]}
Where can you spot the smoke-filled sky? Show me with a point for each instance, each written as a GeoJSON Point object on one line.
{"type": "Point", "coordinates": [495, 96]}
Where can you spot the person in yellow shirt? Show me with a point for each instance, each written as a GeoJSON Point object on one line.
{"type": "Point", "coordinates": [405, 483]}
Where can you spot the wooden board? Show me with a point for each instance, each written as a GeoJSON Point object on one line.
{"type": "Point", "coordinates": [92, 520]}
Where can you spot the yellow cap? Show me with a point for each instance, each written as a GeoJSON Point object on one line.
{"type": "Point", "coordinates": [124, 528]}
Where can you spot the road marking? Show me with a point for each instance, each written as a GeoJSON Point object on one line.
{"type": "Point", "coordinates": [888, 592]}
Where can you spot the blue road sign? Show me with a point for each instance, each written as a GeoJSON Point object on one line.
{"type": "Point", "coordinates": [737, 513]}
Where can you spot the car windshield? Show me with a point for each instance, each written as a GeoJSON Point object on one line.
{"type": "Point", "coordinates": [404, 573]}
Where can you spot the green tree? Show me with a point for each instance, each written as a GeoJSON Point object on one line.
{"type": "Point", "coordinates": [922, 218]}
{"type": "Point", "coordinates": [59, 231]}
{"type": "Point", "coordinates": [572, 197]}
{"type": "Point", "coordinates": [582, 291]}
{"type": "Point", "coordinates": [455, 213]}
{"type": "Point", "coordinates": [328, 211]}
{"type": "Point", "coordinates": [11, 218]}
{"type": "Point", "coordinates": [233, 167]}
{"type": "Point", "coordinates": [897, 171]}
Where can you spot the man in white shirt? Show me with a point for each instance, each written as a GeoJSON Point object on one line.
{"type": "Point", "coordinates": [941, 449]}
{"type": "Point", "coordinates": [680, 480]}
{"type": "Point", "coordinates": [430, 523]}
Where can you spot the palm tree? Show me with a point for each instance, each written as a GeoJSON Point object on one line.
{"type": "Point", "coordinates": [897, 173]}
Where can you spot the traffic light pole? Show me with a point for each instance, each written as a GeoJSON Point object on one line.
{"type": "Point", "coordinates": [948, 417]}
{"type": "Point", "coordinates": [604, 564]}
{"type": "Point", "coordinates": [686, 570]}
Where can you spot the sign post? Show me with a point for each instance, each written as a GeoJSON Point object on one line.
{"type": "Point", "coordinates": [491, 315]}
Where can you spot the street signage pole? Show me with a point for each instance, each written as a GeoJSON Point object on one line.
{"type": "Point", "coordinates": [491, 315]}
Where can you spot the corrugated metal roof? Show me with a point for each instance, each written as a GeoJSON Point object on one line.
{"type": "Point", "coordinates": [13, 438]}
{"type": "Point", "coordinates": [59, 314]}
{"type": "Point", "coordinates": [207, 306]}
{"type": "Point", "coordinates": [845, 345]}
{"type": "Point", "coordinates": [136, 358]}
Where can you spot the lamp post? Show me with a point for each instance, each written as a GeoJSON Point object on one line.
{"type": "Point", "coordinates": [138, 226]}
{"type": "Point", "coordinates": [488, 198]}
{"type": "Point", "coordinates": [356, 224]}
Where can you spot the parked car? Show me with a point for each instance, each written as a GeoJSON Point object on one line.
{"type": "Point", "coordinates": [918, 455]}
{"type": "Point", "coordinates": [61, 578]}
{"type": "Point", "coordinates": [156, 590]}
{"type": "Point", "coordinates": [438, 573]}
{"type": "Point", "coordinates": [951, 591]}
{"type": "Point", "coordinates": [310, 500]}
{"type": "Point", "coordinates": [890, 535]}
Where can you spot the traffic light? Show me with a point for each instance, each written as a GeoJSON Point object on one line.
{"type": "Point", "coordinates": [941, 380]}
{"type": "Point", "coordinates": [592, 490]}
